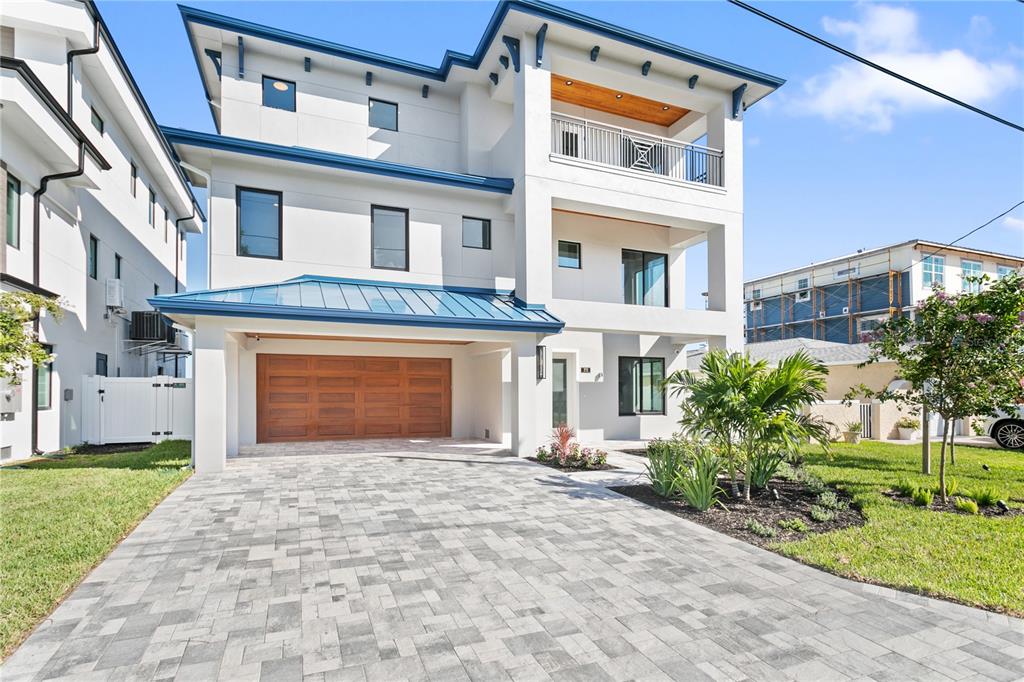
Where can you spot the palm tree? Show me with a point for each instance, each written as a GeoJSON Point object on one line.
{"type": "Point", "coordinates": [748, 408]}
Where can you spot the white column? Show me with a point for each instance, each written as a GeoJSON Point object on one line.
{"type": "Point", "coordinates": [231, 394]}
{"type": "Point", "coordinates": [524, 397]}
{"type": "Point", "coordinates": [209, 365]}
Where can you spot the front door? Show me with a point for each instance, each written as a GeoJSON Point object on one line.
{"type": "Point", "coordinates": [559, 392]}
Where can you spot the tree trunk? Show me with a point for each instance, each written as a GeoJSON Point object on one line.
{"type": "Point", "coordinates": [926, 447]}
{"type": "Point", "coordinates": [942, 461]}
{"type": "Point", "coordinates": [952, 445]}
{"type": "Point", "coordinates": [746, 474]}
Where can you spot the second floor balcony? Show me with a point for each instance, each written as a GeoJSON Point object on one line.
{"type": "Point", "coordinates": [620, 148]}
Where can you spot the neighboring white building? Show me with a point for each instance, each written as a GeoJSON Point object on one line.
{"type": "Point", "coordinates": [842, 298]}
{"type": "Point", "coordinates": [93, 198]}
{"type": "Point", "coordinates": [478, 250]}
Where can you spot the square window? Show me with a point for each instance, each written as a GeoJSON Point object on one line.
{"type": "Point", "coordinates": [389, 236]}
{"type": "Point", "coordinates": [383, 114]}
{"type": "Point", "coordinates": [476, 233]}
{"type": "Point", "coordinates": [93, 260]}
{"type": "Point", "coordinates": [13, 211]}
{"type": "Point", "coordinates": [640, 386]}
{"type": "Point", "coordinates": [97, 121]}
{"type": "Point", "coordinates": [803, 283]}
{"type": "Point", "coordinates": [278, 93]}
{"type": "Point", "coordinates": [569, 255]}
{"type": "Point", "coordinates": [259, 223]}
{"type": "Point", "coordinates": [933, 269]}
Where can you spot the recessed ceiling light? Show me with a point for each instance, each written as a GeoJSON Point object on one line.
{"type": "Point", "coordinates": [665, 108]}
{"type": "Point", "coordinates": [618, 96]}
{"type": "Point", "coordinates": [278, 85]}
{"type": "Point", "coordinates": [568, 82]}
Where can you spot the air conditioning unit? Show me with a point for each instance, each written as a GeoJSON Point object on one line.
{"type": "Point", "coordinates": [114, 294]}
{"type": "Point", "coordinates": [846, 310]}
{"type": "Point", "coordinates": [821, 313]}
{"type": "Point", "coordinates": [149, 325]}
{"type": "Point", "coordinates": [803, 296]}
{"type": "Point", "coordinates": [755, 305]}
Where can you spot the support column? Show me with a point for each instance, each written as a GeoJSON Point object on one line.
{"type": "Point", "coordinates": [231, 394]}
{"type": "Point", "coordinates": [725, 276]}
{"type": "Point", "coordinates": [524, 397]}
{"type": "Point", "coordinates": [210, 367]}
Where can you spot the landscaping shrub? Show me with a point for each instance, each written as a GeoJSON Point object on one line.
{"type": "Point", "coordinates": [966, 505]}
{"type": "Point", "coordinates": [908, 423]}
{"type": "Point", "coordinates": [665, 459]}
{"type": "Point", "coordinates": [923, 497]}
{"type": "Point", "coordinates": [565, 450]}
{"type": "Point", "coordinates": [985, 497]}
{"type": "Point", "coordinates": [830, 500]}
{"type": "Point", "coordinates": [905, 487]}
{"type": "Point", "coordinates": [762, 467]}
{"type": "Point", "coordinates": [813, 483]}
{"type": "Point", "coordinates": [796, 525]}
{"type": "Point", "coordinates": [759, 529]}
{"type": "Point", "coordinates": [697, 480]}
{"type": "Point", "coordinates": [822, 515]}
{"type": "Point", "coordinates": [952, 487]}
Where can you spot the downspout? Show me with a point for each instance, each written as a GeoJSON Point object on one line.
{"type": "Point", "coordinates": [71, 61]}
{"type": "Point", "coordinates": [36, 232]}
{"type": "Point", "coordinates": [178, 252]}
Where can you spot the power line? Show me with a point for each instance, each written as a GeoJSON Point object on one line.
{"type": "Point", "coordinates": [873, 65]}
{"type": "Point", "coordinates": [965, 236]}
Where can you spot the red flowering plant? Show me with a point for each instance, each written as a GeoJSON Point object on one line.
{"type": "Point", "coordinates": [962, 355]}
{"type": "Point", "coordinates": [568, 453]}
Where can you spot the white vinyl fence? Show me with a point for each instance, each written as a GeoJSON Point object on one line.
{"type": "Point", "coordinates": [136, 409]}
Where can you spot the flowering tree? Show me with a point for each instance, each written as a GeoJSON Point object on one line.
{"type": "Point", "coordinates": [19, 344]}
{"type": "Point", "coordinates": [962, 354]}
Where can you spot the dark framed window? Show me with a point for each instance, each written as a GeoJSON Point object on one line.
{"type": "Point", "coordinates": [570, 255]}
{"type": "Point", "coordinates": [101, 365]}
{"type": "Point", "coordinates": [44, 381]}
{"type": "Point", "coordinates": [278, 93]}
{"type": "Point", "coordinates": [640, 386]}
{"type": "Point", "coordinates": [167, 223]}
{"type": "Point", "coordinates": [644, 278]}
{"type": "Point", "coordinates": [156, 289]}
{"type": "Point", "coordinates": [93, 257]}
{"type": "Point", "coordinates": [13, 211]}
{"type": "Point", "coordinates": [117, 266]}
{"type": "Point", "coordinates": [389, 238]}
{"type": "Point", "coordinates": [134, 185]}
{"type": "Point", "coordinates": [383, 114]}
{"type": "Point", "coordinates": [97, 121]}
{"type": "Point", "coordinates": [152, 207]}
{"type": "Point", "coordinates": [259, 222]}
{"type": "Point", "coordinates": [476, 233]}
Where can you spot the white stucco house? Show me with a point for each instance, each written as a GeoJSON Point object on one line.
{"type": "Point", "coordinates": [96, 213]}
{"type": "Point", "coordinates": [479, 250]}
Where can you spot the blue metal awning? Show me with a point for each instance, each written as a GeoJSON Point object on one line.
{"type": "Point", "coordinates": [331, 299]}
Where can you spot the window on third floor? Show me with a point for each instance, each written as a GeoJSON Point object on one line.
{"type": "Point", "coordinates": [933, 269]}
{"type": "Point", "coordinates": [13, 211]}
{"type": "Point", "coordinates": [134, 184]}
{"type": "Point", "coordinates": [383, 114]}
{"type": "Point", "coordinates": [569, 255]}
{"type": "Point", "coordinates": [644, 278]}
{"type": "Point", "coordinates": [152, 207]}
{"type": "Point", "coordinates": [278, 93]}
{"type": "Point", "coordinates": [92, 261]}
{"type": "Point", "coordinates": [97, 121]}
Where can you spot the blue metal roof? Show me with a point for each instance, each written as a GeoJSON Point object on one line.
{"type": "Point", "coordinates": [334, 299]}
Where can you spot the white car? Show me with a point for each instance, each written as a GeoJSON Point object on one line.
{"type": "Point", "coordinates": [1007, 429]}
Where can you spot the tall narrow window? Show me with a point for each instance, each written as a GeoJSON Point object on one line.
{"type": "Point", "coordinates": [476, 233]}
{"type": "Point", "coordinates": [101, 365]}
{"type": "Point", "coordinates": [569, 255]}
{"type": "Point", "coordinates": [44, 381]}
{"type": "Point", "coordinates": [970, 269]}
{"type": "Point", "coordinates": [278, 94]}
{"type": "Point", "coordinates": [117, 266]}
{"type": "Point", "coordinates": [259, 223]}
{"type": "Point", "coordinates": [13, 211]}
{"type": "Point", "coordinates": [933, 270]}
{"type": "Point", "coordinates": [134, 184]}
{"type": "Point", "coordinates": [389, 236]}
{"type": "Point", "coordinates": [383, 114]}
{"type": "Point", "coordinates": [93, 260]}
{"type": "Point", "coordinates": [152, 207]}
{"type": "Point", "coordinates": [97, 121]}
{"type": "Point", "coordinates": [644, 278]}
{"type": "Point", "coordinates": [167, 223]}
{"type": "Point", "coordinates": [640, 386]}
{"type": "Point", "coordinates": [156, 289]}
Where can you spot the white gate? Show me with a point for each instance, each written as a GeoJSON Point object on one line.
{"type": "Point", "coordinates": [136, 409]}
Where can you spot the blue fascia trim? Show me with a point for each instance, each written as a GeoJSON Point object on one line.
{"type": "Point", "coordinates": [340, 161]}
{"type": "Point", "coordinates": [167, 305]}
{"type": "Point", "coordinates": [536, 8]}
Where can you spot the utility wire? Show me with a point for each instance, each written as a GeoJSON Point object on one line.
{"type": "Point", "coordinates": [965, 236]}
{"type": "Point", "coordinates": [873, 65]}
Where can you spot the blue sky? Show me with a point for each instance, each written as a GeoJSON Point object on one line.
{"type": "Point", "coordinates": [836, 160]}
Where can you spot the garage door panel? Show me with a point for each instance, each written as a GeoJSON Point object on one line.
{"type": "Point", "coordinates": [334, 397]}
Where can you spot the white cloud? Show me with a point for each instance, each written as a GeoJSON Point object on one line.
{"type": "Point", "coordinates": [858, 96]}
{"type": "Point", "coordinates": [1014, 223]}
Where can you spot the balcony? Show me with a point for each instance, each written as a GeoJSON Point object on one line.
{"type": "Point", "coordinates": [619, 148]}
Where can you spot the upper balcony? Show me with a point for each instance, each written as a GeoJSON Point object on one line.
{"type": "Point", "coordinates": [608, 146]}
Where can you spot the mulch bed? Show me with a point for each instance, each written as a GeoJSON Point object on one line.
{"type": "Point", "coordinates": [554, 465]}
{"type": "Point", "coordinates": [794, 502]}
{"type": "Point", "coordinates": [950, 508]}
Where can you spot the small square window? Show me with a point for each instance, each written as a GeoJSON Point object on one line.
{"type": "Point", "coordinates": [476, 233]}
{"type": "Point", "coordinates": [569, 255]}
{"type": "Point", "coordinates": [278, 93]}
{"type": "Point", "coordinates": [97, 121]}
{"type": "Point", "coordinates": [803, 283]}
{"type": "Point", "coordinates": [383, 115]}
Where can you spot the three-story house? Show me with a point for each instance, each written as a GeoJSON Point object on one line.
{"type": "Point", "coordinates": [482, 249]}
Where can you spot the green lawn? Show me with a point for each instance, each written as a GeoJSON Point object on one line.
{"type": "Point", "coordinates": [969, 559]}
{"type": "Point", "coordinates": [62, 516]}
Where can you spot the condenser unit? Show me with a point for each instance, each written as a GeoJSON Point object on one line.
{"type": "Point", "coordinates": [149, 325]}
{"type": "Point", "coordinates": [803, 296]}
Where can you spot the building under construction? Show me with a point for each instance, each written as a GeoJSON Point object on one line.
{"type": "Point", "coordinates": [842, 298]}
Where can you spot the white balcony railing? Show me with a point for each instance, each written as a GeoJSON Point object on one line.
{"type": "Point", "coordinates": [605, 145]}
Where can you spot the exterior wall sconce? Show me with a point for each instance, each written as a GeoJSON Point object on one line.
{"type": "Point", "coordinates": [542, 362]}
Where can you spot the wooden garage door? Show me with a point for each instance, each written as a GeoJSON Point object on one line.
{"type": "Point", "coordinates": [330, 397]}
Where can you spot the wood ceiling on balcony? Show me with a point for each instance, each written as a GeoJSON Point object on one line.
{"type": "Point", "coordinates": [614, 102]}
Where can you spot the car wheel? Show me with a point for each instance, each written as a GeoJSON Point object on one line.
{"type": "Point", "coordinates": [1010, 435]}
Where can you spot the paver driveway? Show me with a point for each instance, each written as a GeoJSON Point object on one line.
{"type": "Point", "coordinates": [446, 561]}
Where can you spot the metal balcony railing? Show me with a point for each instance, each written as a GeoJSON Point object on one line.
{"type": "Point", "coordinates": [605, 145]}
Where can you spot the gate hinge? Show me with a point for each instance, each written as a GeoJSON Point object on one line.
{"type": "Point", "coordinates": [168, 433]}
{"type": "Point", "coordinates": [154, 433]}
{"type": "Point", "coordinates": [157, 385]}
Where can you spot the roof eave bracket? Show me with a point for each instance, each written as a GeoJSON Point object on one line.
{"type": "Point", "coordinates": [542, 35]}
{"type": "Point", "coordinates": [737, 101]}
{"type": "Point", "coordinates": [513, 50]}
